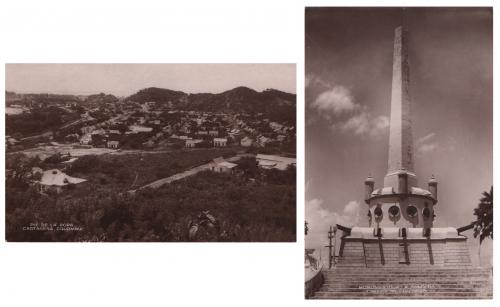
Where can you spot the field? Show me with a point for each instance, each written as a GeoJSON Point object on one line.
{"type": "Point", "coordinates": [130, 171]}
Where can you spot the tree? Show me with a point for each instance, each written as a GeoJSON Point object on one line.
{"type": "Point", "coordinates": [20, 169]}
{"type": "Point", "coordinates": [249, 166]}
{"type": "Point", "coordinates": [484, 217]}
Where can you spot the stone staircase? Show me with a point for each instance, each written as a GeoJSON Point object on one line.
{"type": "Point", "coordinates": [406, 283]}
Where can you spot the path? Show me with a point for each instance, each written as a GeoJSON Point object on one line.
{"type": "Point", "coordinates": [190, 172]}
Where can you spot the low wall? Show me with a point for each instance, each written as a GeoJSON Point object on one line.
{"type": "Point", "coordinates": [314, 282]}
{"type": "Point", "coordinates": [391, 253]}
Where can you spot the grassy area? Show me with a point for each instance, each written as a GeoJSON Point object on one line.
{"type": "Point", "coordinates": [125, 172]}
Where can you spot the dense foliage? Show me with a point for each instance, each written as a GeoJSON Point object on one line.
{"type": "Point", "coordinates": [247, 210]}
{"type": "Point", "coordinates": [37, 121]}
{"type": "Point", "coordinates": [483, 226]}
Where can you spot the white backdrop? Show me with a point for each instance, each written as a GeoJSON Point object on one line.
{"type": "Point", "coordinates": [187, 31]}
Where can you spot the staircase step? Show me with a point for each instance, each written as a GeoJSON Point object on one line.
{"type": "Point", "coordinates": [395, 288]}
{"type": "Point", "coordinates": [395, 294]}
{"type": "Point", "coordinates": [406, 283]}
{"type": "Point", "coordinates": [405, 269]}
{"type": "Point", "coordinates": [384, 275]}
{"type": "Point", "coordinates": [408, 297]}
{"type": "Point", "coordinates": [366, 285]}
{"type": "Point", "coordinates": [410, 269]}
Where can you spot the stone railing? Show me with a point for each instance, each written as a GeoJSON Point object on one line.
{"type": "Point", "coordinates": [314, 282]}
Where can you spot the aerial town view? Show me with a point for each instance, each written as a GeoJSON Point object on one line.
{"type": "Point", "coordinates": [153, 164]}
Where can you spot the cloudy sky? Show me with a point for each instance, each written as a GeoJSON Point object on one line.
{"type": "Point", "coordinates": [348, 87]}
{"type": "Point", "coordinates": [126, 79]}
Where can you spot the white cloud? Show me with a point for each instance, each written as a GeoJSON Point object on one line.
{"type": "Point", "coordinates": [426, 138]}
{"type": "Point", "coordinates": [426, 148]}
{"type": "Point", "coordinates": [358, 124]}
{"type": "Point", "coordinates": [313, 80]}
{"type": "Point", "coordinates": [320, 218]}
{"type": "Point", "coordinates": [352, 210]}
{"type": "Point", "coordinates": [364, 124]}
{"type": "Point", "coordinates": [427, 144]}
{"type": "Point", "coordinates": [380, 123]}
{"type": "Point", "coordinates": [451, 144]}
{"type": "Point", "coordinates": [337, 100]}
{"type": "Point", "coordinates": [338, 106]}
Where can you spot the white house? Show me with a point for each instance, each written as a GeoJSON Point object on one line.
{"type": "Point", "coordinates": [277, 162]}
{"type": "Point", "coordinates": [56, 180]}
{"type": "Point", "coordinates": [246, 142]}
{"type": "Point", "coordinates": [220, 142]}
{"type": "Point", "coordinates": [262, 140]}
{"type": "Point", "coordinates": [86, 139]}
{"type": "Point", "coordinates": [192, 143]}
{"type": "Point", "coordinates": [113, 144]}
{"type": "Point", "coordinates": [223, 167]}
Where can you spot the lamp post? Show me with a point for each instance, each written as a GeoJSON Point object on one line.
{"type": "Point", "coordinates": [331, 246]}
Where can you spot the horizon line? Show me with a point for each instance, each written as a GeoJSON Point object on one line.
{"type": "Point", "coordinates": [101, 92]}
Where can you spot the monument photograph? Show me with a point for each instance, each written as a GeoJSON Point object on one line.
{"type": "Point", "coordinates": [150, 153]}
{"type": "Point", "coordinates": [398, 153]}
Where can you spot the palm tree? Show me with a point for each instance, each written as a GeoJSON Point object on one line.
{"type": "Point", "coordinates": [483, 226]}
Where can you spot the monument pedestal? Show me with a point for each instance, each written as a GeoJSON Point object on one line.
{"type": "Point", "coordinates": [444, 248]}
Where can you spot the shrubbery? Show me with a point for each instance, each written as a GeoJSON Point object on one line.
{"type": "Point", "coordinates": [246, 212]}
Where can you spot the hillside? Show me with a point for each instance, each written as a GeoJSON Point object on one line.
{"type": "Point", "coordinates": [272, 103]}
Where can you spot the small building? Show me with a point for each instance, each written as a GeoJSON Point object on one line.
{"type": "Point", "coordinates": [277, 162]}
{"type": "Point", "coordinates": [275, 126]}
{"type": "Point", "coordinates": [192, 143]}
{"type": "Point", "coordinates": [138, 129]}
{"type": "Point", "coordinates": [223, 167]}
{"type": "Point", "coordinates": [263, 141]}
{"type": "Point", "coordinates": [99, 131]}
{"type": "Point", "coordinates": [113, 144]}
{"type": "Point", "coordinates": [86, 139]}
{"type": "Point", "coordinates": [213, 132]}
{"type": "Point", "coordinates": [220, 142]}
{"type": "Point", "coordinates": [246, 142]}
{"type": "Point", "coordinates": [55, 180]}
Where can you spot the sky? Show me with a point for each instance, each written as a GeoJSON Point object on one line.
{"type": "Point", "coordinates": [126, 79]}
{"type": "Point", "coordinates": [348, 68]}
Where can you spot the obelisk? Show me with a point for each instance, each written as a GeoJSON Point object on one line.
{"type": "Point", "coordinates": [400, 135]}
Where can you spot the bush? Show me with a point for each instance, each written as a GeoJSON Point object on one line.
{"type": "Point", "coordinates": [86, 164]}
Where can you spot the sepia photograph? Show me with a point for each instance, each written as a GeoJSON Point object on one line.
{"type": "Point", "coordinates": [398, 153]}
{"type": "Point", "coordinates": [150, 152]}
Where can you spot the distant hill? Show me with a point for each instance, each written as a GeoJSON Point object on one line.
{"type": "Point", "coordinates": [156, 94]}
{"type": "Point", "coordinates": [276, 105]}
{"type": "Point", "coordinates": [45, 98]}
{"type": "Point", "coordinates": [101, 98]}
